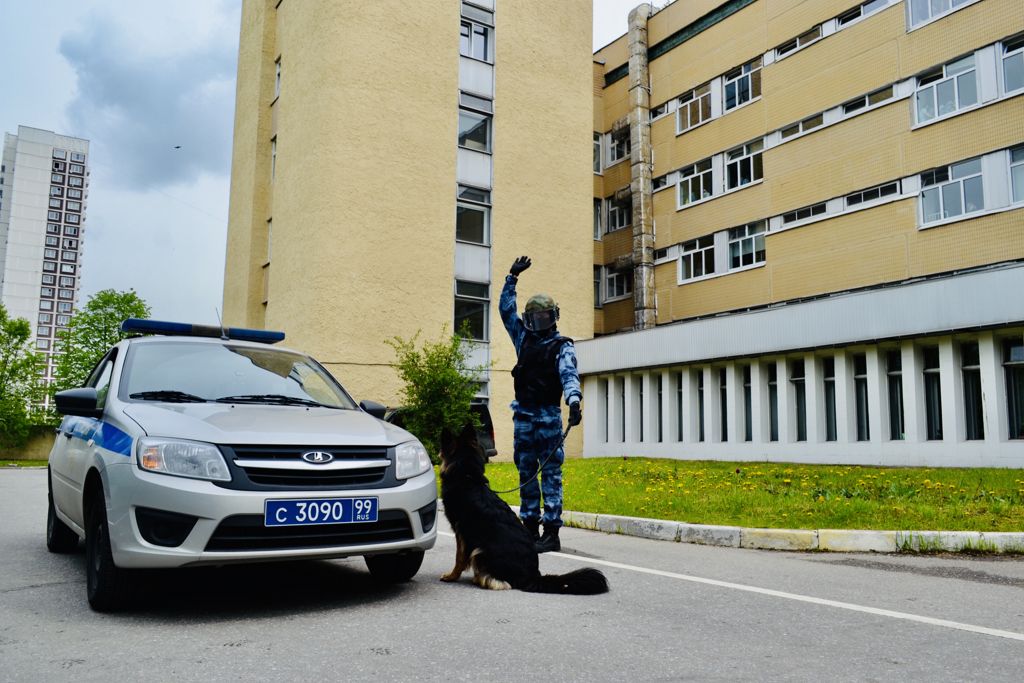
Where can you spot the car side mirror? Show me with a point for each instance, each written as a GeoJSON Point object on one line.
{"type": "Point", "coordinates": [81, 402]}
{"type": "Point", "coordinates": [373, 408]}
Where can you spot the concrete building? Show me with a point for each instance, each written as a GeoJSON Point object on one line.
{"type": "Point", "coordinates": [391, 161]}
{"type": "Point", "coordinates": [44, 185]}
{"type": "Point", "coordinates": [809, 233]}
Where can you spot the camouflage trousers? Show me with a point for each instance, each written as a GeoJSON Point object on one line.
{"type": "Point", "coordinates": [535, 438]}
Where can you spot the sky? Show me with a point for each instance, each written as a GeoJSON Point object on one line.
{"type": "Point", "coordinates": [151, 85]}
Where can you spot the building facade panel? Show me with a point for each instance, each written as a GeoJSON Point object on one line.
{"type": "Point", "coordinates": [790, 18]}
{"type": "Point", "coordinates": [727, 211]}
{"type": "Point", "coordinates": [722, 293]}
{"type": "Point", "coordinates": [736, 128]}
{"type": "Point", "coordinates": [967, 244]}
{"type": "Point", "coordinates": [964, 31]}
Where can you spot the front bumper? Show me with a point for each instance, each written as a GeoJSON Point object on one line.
{"type": "Point", "coordinates": [229, 527]}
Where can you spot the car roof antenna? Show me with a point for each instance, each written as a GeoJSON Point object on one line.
{"type": "Point", "coordinates": [223, 332]}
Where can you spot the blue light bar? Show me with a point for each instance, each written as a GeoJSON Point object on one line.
{"type": "Point", "coordinates": [143, 326]}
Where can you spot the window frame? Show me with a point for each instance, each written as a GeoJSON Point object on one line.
{"type": "Point", "coordinates": [751, 152]}
{"type": "Point", "coordinates": [619, 210]}
{"type": "Point", "coordinates": [939, 75]}
{"type": "Point", "coordinates": [612, 289]}
{"type": "Point", "coordinates": [701, 173]}
{"type": "Point", "coordinates": [469, 31]}
{"type": "Point", "coordinates": [1011, 47]}
{"type": "Point", "coordinates": [753, 233]}
{"type": "Point", "coordinates": [702, 248]}
{"type": "Point", "coordinates": [1016, 167]}
{"type": "Point", "coordinates": [698, 99]}
{"type": "Point", "coordinates": [483, 304]}
{"type": "Point", "coordinates": [619, 145]}
{"type": "Point", "coordinates": [931, 182]}
{"type": "Point", "coordinates": [750, 72]}
{"type": "Point", "coordinates": [463, 134]}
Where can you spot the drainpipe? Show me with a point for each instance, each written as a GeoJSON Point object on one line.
{"type": "Point", "coordinates": [644, 309]}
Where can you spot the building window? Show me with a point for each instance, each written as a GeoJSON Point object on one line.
{"type": "Point", "coordinates": [44, 331]}
{"type": "Point", "coordinates": [1013, 365]}
{"type": "Point", "coordinates": [860, 390]}
{"type": "Point", "coordinates": [974, 414]}
{"type": "Point", "coordinates": [804, 213]}
{"type": "Point", "coordinates": [277, 78]}
{"type": "Point", "coordinates": [52, 241]}
{"type": "Point", "coordinates": [56, 191]}
{"type": "Point", "coordinates": [63, 306]}
{"type": "Point", "coordinates": [471, 303]}
{"type": "Point", "coordinates": [659, 111]}
{"type": "Point", "coordinates": [49, 266]}
{"type": "Point", "coordinates": [598, 208]}
{"type": "Point", "coordinates": [861, 11]}
{"type": "Point", "coordinates": [50, 253]}
{"type": "Point", "coordinates": [618, 284]}
{"type": "Point", "coordinates": [65, 294]}
{"type": "Point", "coordinates": [1013, 64]}
{"type": "Point", "coordinates": [743, 165]}
{"type": "Point", "coordinates": [803, 126]}
{"type": "Point", "coordinates": [46, 292]}
{"type": "Point", "coordinates": [57, 178]}
{"type": "Point", "coordinates": [873, 193]}
{"type": "Point", "coordinates": [77, 157]}
{"type": "Point", "coordinates": [748, 401]}
{"type": "Point", "coordinates": [66, 281]}
{"type": "Point", "coordinates": [75, 181]}
{"type": "Point", "coordinates": [925, 10]}
{"type": "Point", "coordinates": [894, 376]}
{"type": "Point", "coordinates": [273, 157]}
{"type": "Point", "coordinates": [746, 245]}
{"type": "Point", "coordinates": [620, 213]}
{"type": "Point", "coordinates": [1017, 173]}
{"type": "Point", "coordinates": [695, 182]}
{"type": "Point", "coordinates": [56, 203]}
{"type": "Point", "coordinates": [68, 256]}
{"type": "Point", "coordinates": [49, 279]}
{"type": "Point", "coordinates": [71, 218]}
{"type": "Point", "coordinates": [45, 318]}
{"type": "Point", "coordinates": [70, 243]}
{"type": "Point", "coordinates": [952, 191]}
{"type": "Point", "coordinates": [946, 89]}
{"type": "Point", "coordinates": [699, 380]}
{"type": "Point", "coordinates": [597, 152]}
{"type": "Point", "coordinates": [53, 215]}
{"type": "Point", "coordinates": [77, 169]}
{"type": "Point", "coordinates": [932, 394]}
{"type": "Point", "coordinates": [67, 268]}
{"type": "Point", "coordinates": [474, 131]}
{"type": "Point", "coordinates": [74, 206]}
{"type": "Point", "coordinates": [619, 147]}
{"type": "Point", "coordinates": [773, 402]}
{"type": "Point", "coordinates": [742, 84]}
{"type": "Point", "coordinates": [70, 230]}
{"type": "Point", "coordinates": [597, 286]}
{"type": "Point", "coordinates": [800, 41]}
{"type": "Point", "coordinates": [697, 258]}
{"type": "Point", "coordinates": [53, 228]}
{"type": "Point", "coordinates": [63, 320]}
{"type": "Point", "coordinates": [679, 406]}
{"type": "Point", "coordinates": [475, 39]}
{"type": "Point", "coordinates": [694, 108]}
{"type": "Point", "coordinates": [723, 406]}
{"type": "Point", "coordinates": [796, 378]}
{"type": "Point", "coordinates": [45, 304]}
{"type": "Point", "coordinates": [73, 193]}
{"type": "Point", "coordinates": [828, 378]}
{"type": "Point", "coordinates": [60, 154]}
{"type": "Point", "coordinates": [472, 223]}
{"type": "Point", "coordinates": [43, 344]}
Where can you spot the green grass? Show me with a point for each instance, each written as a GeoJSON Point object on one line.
{"type": "Point", "coordinates": [22, 463]}
{"type": "Point", "coordinates": [782, 495]}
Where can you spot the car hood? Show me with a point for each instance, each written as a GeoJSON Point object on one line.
{"type": "Point", "coordinates": [223, 423]}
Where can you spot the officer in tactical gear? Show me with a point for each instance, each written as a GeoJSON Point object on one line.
{"type": "Point", "coordinates": [545, 372]}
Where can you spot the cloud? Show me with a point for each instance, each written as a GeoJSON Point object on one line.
{"type": "Point", "coordinates": [148, 83]}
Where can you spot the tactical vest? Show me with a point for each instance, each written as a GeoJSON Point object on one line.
{"type": "Point", "coordinates": [537, 380]}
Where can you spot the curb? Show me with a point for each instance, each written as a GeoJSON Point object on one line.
{"type": "Point", "coordinates": [831, 540]}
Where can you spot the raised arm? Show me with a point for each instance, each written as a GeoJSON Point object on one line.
{"type": "Point", "coordinates": [507, 303]}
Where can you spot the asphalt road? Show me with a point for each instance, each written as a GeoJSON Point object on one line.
{"type": "Point", "coordinates": [675, 612]}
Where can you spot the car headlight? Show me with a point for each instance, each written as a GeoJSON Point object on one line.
{"type": "Point", "coordinates": [182, 459]}
{"type": "Point", "coordinates": [411, 459]}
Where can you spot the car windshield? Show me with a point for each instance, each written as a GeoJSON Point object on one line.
{"type": "Point", "coordinates": [184, 372]}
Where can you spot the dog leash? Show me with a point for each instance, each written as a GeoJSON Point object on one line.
{"type": "Point", "coordinates": [561, 442]}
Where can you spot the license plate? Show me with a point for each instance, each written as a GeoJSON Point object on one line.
{"type": "Point", "coordinates": [319, 511]}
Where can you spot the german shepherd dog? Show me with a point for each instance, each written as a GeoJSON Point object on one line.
{"type": "Point", "coordinates": [489, 536]}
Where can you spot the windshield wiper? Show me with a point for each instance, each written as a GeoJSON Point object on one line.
{"type": "Point", "coordinates": [274, 399]}
{"type": "Point", "coordinates": [168, 395]}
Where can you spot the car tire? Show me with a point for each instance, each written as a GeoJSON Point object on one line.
{"type": "Point", "coordinates": [60, 538]}
{"type": "Point", "coordinates": [107, 586]}
{"type": "Point", "coordinates": [396, 568]}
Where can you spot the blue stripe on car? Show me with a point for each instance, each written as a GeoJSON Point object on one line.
{"type": "Point", "coordinates": [103, 434]}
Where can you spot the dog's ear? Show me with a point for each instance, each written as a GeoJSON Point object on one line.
{"type": "Point", "coordinates": [468, 434]}
{"type": "Point", "coordinates": [447, 442]}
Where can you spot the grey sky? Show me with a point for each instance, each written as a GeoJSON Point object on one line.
{"type": "Point", "coordinates": [138, 78]}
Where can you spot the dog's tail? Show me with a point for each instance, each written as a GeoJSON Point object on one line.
{"type": "Point", "coordinates": [587, 581]}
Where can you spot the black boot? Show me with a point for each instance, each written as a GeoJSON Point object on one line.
{"type": "Point", "coordinates": [533, 528]}
{"type": "Point", "coordinates": [549, 541]}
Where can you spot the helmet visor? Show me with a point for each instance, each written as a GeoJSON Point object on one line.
{"type": "Point", "coordinates": [538, 321]}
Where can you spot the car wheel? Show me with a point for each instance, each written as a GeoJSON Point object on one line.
{"type": "Point", "coordinates": [396, 568]}
{"type": "Point", "coordinates": [107, 586]}
{"type": "Point", "coordinates": [60, 538]}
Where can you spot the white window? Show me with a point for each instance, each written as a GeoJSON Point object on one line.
{"type": "Point", "coordinates": [472, 300]}
{"type": "Point", "coordinates": [75, 181]}
{"type": "Point", "coordinates": [74, 206]}
{"type": "Point", "coordinates": [78, 157]}
{"type": "Point", "coordinates": [861, 11]}
{"type": "Point", "coordinates": [743, 165]}
{"type": "Point", "coordinates": [46, 292]}
{"type": "Point", "coordinates": [598, 208]}
{"type": "Point", "coordinates": [746, 245]}
{"type": "Point", "coordinates": [659, 182]}
{"type": "Point", "coordinates": [807, 124]}
{"type": "Point", "coordinates": [42, 343]}
{"type": "Point", "coordinates": [694, 108]}
{"type": "Point", "coordinates": [68, 268]}
{"type": "Point", "coordinates": [74, 194]}
{"type": "Point", "coordinates": [53, 215]}
{"type": "Point", "coordinates": [45, 318]}
{"type": "Point", "coordinates": [697, 258]}
{"type": "Point", "coordinates": [71, 218]}
{"type": "Point", "coordinates": [52, 241]}
{"type": "Point", "coordinates": [277, 78]}
{"type": "Point", "coordinates": [68, 256]}
{"type": "Point", "coordinates": [70, 230]}
{"type": "Point", "coordinates": [49, 266]}
{"type": "Point", "coordinates": [1017, 173]}
{"type": "Point", "coordinates": [925, 10]}
{"type": "Point", "coordinates": [56, 191]}
{"type": "Point", "coordinates": [65, 294]}
{"type": "Point", "coordinates": [476, 33]}
{"type": "Point", "coordinates": [804, 213]}
{"type": "Point", "coordinates": [50, 253]}
{"type": "Point", "coordinates": [63, 320]}
{"type": "Point", "coordinates": [868, 100]}
{"type": "Point", "coordinates": [45, 305]}
{"type": "Point", "coordinates": [618, 284]}
{"type": "Point", "coordinates": [472, 223]}
{"type": "Point", "coordinates": [952, 191]}
{"type": "Point", "coordinates": [947, 89]}
{"type": "Point", "coordinates": [474, 131]}
{"type": "Point", "coordinates": [620, 213]}
{"type": "Point", "coordinates": [49, 279]}
{"type": "Point", "coordinates": [742, 84]}
{"type": "Point", "coordinates": [873, 193]}
{"type": "Point", "coordinates": [695, 182]}
{"type": "Point", "coordinates": [60, 154]}
{"type": "Point", "coordinates": [597, 287]}
{"type": "Point", "coordinates": [53, 228]}
{"type": "Point", "coordinates": [77, 169]}
{"type": "Point", "coordinates": [659, 111]}
{"type": "Point", "coordinates": [66, 281]}
{"type": "Point", "coordinates": [1013, 64]}
{"type": "Point", "coordinates": [619, 147]}
{"type": "Point", "coordinates": [597, 152]}
{"type": "Point", "coordinates": [800, 41]}
{"type": "Point", "coordinates": [64, 306]}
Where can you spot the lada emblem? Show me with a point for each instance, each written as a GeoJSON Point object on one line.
{"type": "Point", "coordinates": [317, 457]}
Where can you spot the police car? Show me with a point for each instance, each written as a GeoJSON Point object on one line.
{"type": "Point", "coordinates": [208, 446]}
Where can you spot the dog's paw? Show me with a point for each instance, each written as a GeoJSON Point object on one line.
{"type": "Point", "coordinates": [449, 577]}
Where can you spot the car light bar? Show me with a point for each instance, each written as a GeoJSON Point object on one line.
{"type": "Point", "coordinates": [142, 326]}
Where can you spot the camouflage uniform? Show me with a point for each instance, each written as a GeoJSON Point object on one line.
{"type": "Point", "coordinates": [538, 428]}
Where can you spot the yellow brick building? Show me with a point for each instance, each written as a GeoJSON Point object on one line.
{"type": "Point", "coordinates": [809, 233]}
{"type": "Point", "coordinates": [391, 160]}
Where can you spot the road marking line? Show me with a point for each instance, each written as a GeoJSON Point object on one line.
{"type": "Point", "coordinates": [945, 623]}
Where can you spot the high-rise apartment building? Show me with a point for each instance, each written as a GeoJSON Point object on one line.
{"type": "Point", "coordinates": [390, 162]}
{"type": "Point", "coordinates": [809, 233]}
{"type": "Point", "coordinates": [44, 185]}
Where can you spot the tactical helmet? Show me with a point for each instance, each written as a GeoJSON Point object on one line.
{"type": "Point", "coordinates": [540, 313]}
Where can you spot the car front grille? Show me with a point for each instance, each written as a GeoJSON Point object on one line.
{"type": "Point", "coordinates": [241, 533]}
{"type": "Point", "coordinates": [273, 468]}
{"type": "Point", "coordinates": [304, 479]}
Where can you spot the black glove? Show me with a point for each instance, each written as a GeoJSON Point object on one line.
{"type": "Point", "coordinates": [519, 265]}
{"type": "Point", "coordinates": [575, 414]}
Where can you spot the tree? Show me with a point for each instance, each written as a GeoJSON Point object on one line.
{"type": "Point", "coordinates": [19, 379]}
{"type": "Point", "coordinates": [438, 387]}
{"type": "Point", "coordinates": [91, 332]}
